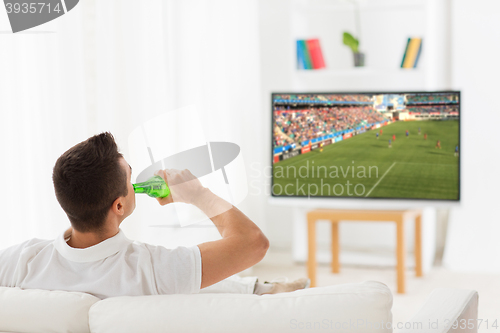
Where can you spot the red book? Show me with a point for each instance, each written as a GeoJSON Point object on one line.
{"type": "Point", "coordinates": [315, 52]}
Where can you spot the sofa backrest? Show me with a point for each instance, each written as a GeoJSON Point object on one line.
{"type": "Point", "coordinates": [360, 307]}
{"type": "Point", "coordinates": [30, 311]}
{"type": "Point", "coordinates": [357, 307]}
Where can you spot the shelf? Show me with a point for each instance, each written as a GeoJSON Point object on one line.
{"type": "Point", "coordinates": [359, 71]}
{"type": "Point", "coordinates": [359, 79]}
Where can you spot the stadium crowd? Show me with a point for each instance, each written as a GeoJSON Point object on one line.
{"type": "Point", "coordinates": [434, 108]}
{"type": "Point", "coordinates": [301, 125]}
{"type": "Point", "coordinates": [429, 99]}
{"type": "Point", "coordinates": [336, 98]}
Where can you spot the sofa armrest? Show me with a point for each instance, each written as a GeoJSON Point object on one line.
{"type": "Point", "coordinates": [446, 310]}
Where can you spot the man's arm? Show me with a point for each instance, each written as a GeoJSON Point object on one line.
{"type": "Point", "coordinates": [242, 245]}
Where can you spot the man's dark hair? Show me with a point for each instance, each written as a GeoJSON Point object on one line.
{"type": "Point", "coordinates": [88, 178]}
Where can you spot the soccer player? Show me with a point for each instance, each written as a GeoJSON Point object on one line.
{"type": "Point", "coordinates": [419, 131]}
{"type": "Point", "coordinates": [407, 133]}
{"type": "Point", "coordinates": [425, 136]}
{"type": "Point", "coordinates": [377, 136]}
{"type": "Point", "coordinates": [394, 137]}
{"type": "Point", "coordinates": [390, 144]}
{"type": "Point", "coordinates": [438, 144]}
{"type": "Point", "coordinates": [381, 131]}
{"type": "Point", "coordinates": [321, 147]}
{"type": "Point", "coordinates": [456, 150]}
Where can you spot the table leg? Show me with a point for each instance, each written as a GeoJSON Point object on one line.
{"type": "Point", "coordinates": [418, 245]}
{"type": "Point", "coordinates": [335, 247]}
{"type": "Point", "coordinates": [400, 254]}
{"type": "Point", "coordinates": [311, 260]}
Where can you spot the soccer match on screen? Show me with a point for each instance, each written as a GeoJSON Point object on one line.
{"type": "Point", "coordinates": [370, 145]}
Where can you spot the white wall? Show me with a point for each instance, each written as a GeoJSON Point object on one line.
{"type": "Point", "coordinates": [474, 230]}
{"type": "Point", "coordinates": [469, 62]}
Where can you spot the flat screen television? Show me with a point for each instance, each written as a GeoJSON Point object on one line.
{"type": "Point", "coordinates": [375, 145]}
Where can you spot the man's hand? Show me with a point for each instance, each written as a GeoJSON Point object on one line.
{"type": "Point", "coordinates": [184, 186]}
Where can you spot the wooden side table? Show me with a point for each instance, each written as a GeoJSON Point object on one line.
{"type": "Point", "coordinates": [337, 216]}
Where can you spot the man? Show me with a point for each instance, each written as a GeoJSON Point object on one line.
{"type": "Point", "coordinates": [92, 182]}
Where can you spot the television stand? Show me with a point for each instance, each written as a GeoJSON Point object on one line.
{"type": "Point", "coordinates": [336, 216]}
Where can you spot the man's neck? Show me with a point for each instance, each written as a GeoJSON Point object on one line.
{"type": "Point", "coordinates": [81, 240]}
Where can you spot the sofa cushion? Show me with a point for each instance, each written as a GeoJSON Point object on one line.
{"type": "Point", "coordinates": [361, 307]}
{"type": "Point", "coordinates": [34, 310]}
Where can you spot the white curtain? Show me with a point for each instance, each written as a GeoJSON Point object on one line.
{"type": "Point", "coordinates": [109, 66]}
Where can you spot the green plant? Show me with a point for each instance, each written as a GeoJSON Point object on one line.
{"type": "Point", "coordinates": [350, 41]}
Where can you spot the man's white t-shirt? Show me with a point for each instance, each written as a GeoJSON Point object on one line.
{"type": "Point", "coordinates": [114, 267]}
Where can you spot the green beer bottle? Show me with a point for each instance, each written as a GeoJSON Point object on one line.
{"type": "Point", "coordinates": [155, 187]}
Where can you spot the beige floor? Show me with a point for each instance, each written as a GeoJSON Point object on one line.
{"type": "Point", "coordinates": [279, 264]}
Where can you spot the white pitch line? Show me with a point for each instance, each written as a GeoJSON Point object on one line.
{"type": "Point", "coordinates": [305, 159]}
{"type": "Point", "coordinates": [385, 173]}
{"type": "Point", "coordinates": [428, 164]}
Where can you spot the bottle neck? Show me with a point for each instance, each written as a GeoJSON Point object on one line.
{"type": "Point", "coordinates": [139, 189]}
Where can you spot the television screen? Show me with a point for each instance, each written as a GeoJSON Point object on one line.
{"type": "Point", "coordinates": [391, 145]}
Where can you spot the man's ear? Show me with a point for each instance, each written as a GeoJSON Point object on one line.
{"type": "Point", "coordinates": [117, 207]}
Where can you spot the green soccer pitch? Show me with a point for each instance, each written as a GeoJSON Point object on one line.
{"type": "Point", "coordinates": [364, 166]}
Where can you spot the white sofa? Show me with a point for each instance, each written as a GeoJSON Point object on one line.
{"type": "Point", "coordinates": [360, 307]}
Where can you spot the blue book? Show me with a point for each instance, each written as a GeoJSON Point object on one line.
{"type": "Point", "coordinates": [301, 60]}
